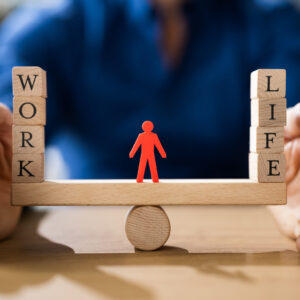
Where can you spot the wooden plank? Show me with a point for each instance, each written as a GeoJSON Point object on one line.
{"type": "Point", "coordinates": [167, 192]}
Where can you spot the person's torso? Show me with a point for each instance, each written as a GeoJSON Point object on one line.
{"type": "Point", "coordinates": [201, 110]}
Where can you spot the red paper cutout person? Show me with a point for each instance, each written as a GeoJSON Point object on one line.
{"type": "Point", "coordinates": [148, 141]}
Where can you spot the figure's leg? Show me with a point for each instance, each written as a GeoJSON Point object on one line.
{"type": "Point", "coordinates": [153, 169]}
{"type": "Point", "coordinates": [141, 171]}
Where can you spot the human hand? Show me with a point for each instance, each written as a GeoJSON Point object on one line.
{"type": "Point", "coordinates": [9, 215]}
{"type": "Point", "coordinates": [288, 216]}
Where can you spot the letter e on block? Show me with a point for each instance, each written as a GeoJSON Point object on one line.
{"type": "Point", "coordinates": [29, 81]}
{"type": "Point", "coordinates": [28, 139]}
{"type": "Point", "coordinates": [268, 83]}
{"type": "Point", "coordinates": [266, 139]}
{"type": "Point", "coordinates": [267, 167]}
{"type": "Point", "coordinates": [29, 111]}
{"type": "Point", "coordinates": [27, 168]}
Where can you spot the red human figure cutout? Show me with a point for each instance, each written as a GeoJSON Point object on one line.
{"type": "Point", "coordinates": [148, 141]}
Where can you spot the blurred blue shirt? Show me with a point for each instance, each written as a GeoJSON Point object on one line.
{"type": "Point", "coordinates": [106, 75]}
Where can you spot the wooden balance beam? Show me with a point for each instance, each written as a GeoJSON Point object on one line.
{"type": "Point", "coordinates": [167, 192]}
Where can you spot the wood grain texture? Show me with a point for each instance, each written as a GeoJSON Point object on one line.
{"type": "Point", "coordinates": [267, 167]}
{"type": "Point", "coordinates": [268, 83]}
{"type": "Point", "coordinates": [147, 227]}
{"type": "Point", "coordinates": [214, 252]}
{"type": "Point", "coordinates": [28, 168]}
{"type": "Point", "coordinates": [28, 139]}
{"type": "Point", "coordinates": [266, 139]}
{"type": "Point", "coordinates": [268, 112]}
{"type": "Point", "coordinates": [29, 111]}
{"type": "Point", "coordinates": [29, 81]}
{"type": "Point", "coordinates": [167, 192]}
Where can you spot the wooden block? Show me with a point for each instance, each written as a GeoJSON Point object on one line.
{"type": "Point", "coordinates": [268, 83]}
{"type": "Point", "coordinates": [29, 111]}
{"type": "Point", "coordinates": [28, 139]}
{"type": "Point", "coordinates": [29, 81]}
{"type": "Point", "coordinates": [267, 167]}
{"type": "Point", "coordinates": [266, 139]}
{"type": "Point", "coordinates": [166, 192]}
{"type": "Point", "coordinates": [28, 168]}
{"type": "Point", "coordinates": [147, 227]}
{"type": "Point", "coordinates": [268, 112]}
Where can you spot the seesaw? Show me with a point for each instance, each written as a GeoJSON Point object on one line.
{"type": "Point", "coordinates": [147, 224]}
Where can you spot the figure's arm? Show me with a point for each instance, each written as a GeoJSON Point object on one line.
{"type": "Point", "coordinates": [160, 147]}
{"type": "Point", "coordinates": [135, 147]}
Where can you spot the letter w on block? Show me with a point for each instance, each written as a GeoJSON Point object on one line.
{"type": "Point", "coordinates": [29, 81]}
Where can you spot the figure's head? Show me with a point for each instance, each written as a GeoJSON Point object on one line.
{"type": "Point", "coordinates": [147, 126]}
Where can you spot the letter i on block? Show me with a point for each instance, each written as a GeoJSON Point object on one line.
{"type": "Point", "coordinates": [268, 118]}
{"type": "Point", "coordinates": [29, 118]}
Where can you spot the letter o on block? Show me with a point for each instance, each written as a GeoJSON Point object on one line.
{"type": "Point", "coordinates": [147, 227]}
{"type": "Point", "coordinates": [27, 113]}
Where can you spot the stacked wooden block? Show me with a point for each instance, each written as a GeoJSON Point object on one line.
{"type": "Point", "coordinates": [268, 118]}
{"type": "Point", "coordinates": [29, 119]}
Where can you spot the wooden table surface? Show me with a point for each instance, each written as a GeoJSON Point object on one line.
{"type": "Point", "coordinates": [213, 253]}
